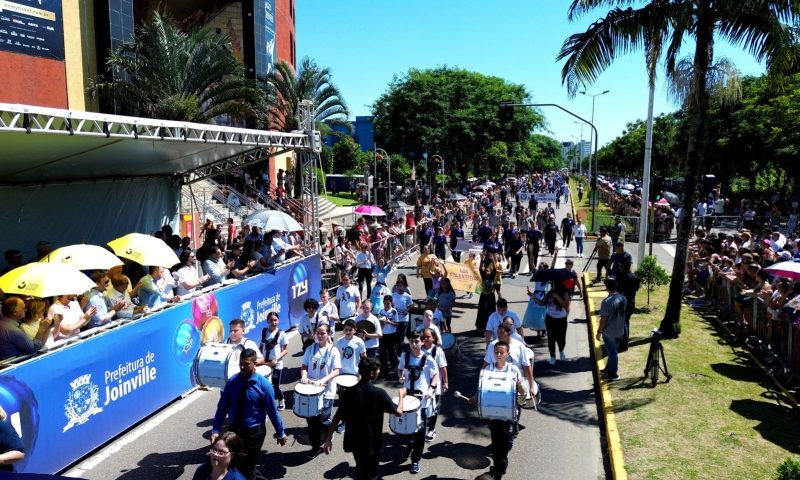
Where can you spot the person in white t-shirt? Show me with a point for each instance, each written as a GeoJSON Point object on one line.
{"type": "Point", "coordinates": [309, 322]}
{"type": "Point", "coordinates": [351, 348]}
{"type": "Point", "coordinates": [371, 340]}
{"type": "Point", "coordinates": [348, 298]}
{"type": "Point", "coordinates": [427, 322]}
{"type": "Point", "coordinates": [390, 339]}
{"type": "Point", "coordinates": [430, 345]}
{"type": "Point", "coordinates": [419, 375]}
{"type": "Point", "coordinates": [236, 337]}
{"type": "Point", "coordinates": [327, 308]}
{"type": "Point", "coordinates": [321, 366]}
{"type": "Point", "coordinates": [496, 319]}
{"type": "Point", "coordinates": [274, 346]}
{"type": "Point", "coordinates": [517, 351]}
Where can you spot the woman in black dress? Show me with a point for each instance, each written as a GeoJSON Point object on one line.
{"type": "Point", "coordinates": [487, 301]}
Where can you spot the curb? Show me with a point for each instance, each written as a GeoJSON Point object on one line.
{"type": "Point", "coordinates": [615, 453]}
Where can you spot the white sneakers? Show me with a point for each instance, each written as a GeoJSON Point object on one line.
{"type": "Point", "coordinates": [552, 361]}
{"type": "Point", "coordinates": [562, 356]}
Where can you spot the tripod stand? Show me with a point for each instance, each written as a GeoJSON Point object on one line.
{"type": "Point", "coordinates": [589, 260]}
{"type": "Point", "coordinates": [655, 360]}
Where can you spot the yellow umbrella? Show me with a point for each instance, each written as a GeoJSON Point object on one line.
{"type": "Point", "coordinates": [84, 257]}
{"type": "Point", "coordinates": [45, 280]}
{"type": "Point", "coordinates": [144, 250]}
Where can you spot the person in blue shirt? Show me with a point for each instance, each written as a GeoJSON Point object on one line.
{"type": "Point", "coordinates": [456, 232]}
{"type": "Point", "coordinates": [247, 416]}
{"type": "Point", "coordinates": [11, 448]}
{"type": "Point", "coordinates": [439, 243]}
{"type": "Point", "coordinates": [485, 231]}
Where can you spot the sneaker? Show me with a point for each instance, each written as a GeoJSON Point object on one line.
{"type": "Point", "coordinates": [415, 468]}
{"type": "Point", "coordinates": [610, 378]}
{"type": "Point", "coordinates": [470, 295]}
{"type": "Point", "coordinates": [562, 357]}
{"type": "Point", "coordinates": [340, 428]}
{"type": "Point", "coordinates": [314, 453]}
{"type": "Point", "coordinates": [513, 275]}
{"type": "Point", "coordinates": [552, 361]}
{"type": "Point", "coordinates": [406, 452]}
{"type": "Point", "coordinates": [430, 435]}
{"type": "Point", "coordinates": [282, 405]}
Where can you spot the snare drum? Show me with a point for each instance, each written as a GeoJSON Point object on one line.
{"type": "Point", "coordinates": [308, 400]}
{"type": "Point", "coordinates": [450, 345]}
{"type": "Point", "coordinates": [497, 396]}
{"type": "Point", "coordinates": [264, 370]}
{"type": "Point", "coordinates": [215, 363]}
{"type": "Point", "coordinates": [411, 419]}
{"type": "Point", "coordinates": [345, 381]}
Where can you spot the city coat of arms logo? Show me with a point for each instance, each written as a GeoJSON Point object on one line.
{"type": "Point", "coordinates": [82, 401]}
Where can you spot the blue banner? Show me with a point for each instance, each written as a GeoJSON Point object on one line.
{"type": "Point", "coordinates": [68, 402]}
{"type": "Point", "coordinates": [32, 27]}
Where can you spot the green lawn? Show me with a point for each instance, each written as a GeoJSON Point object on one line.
{"type": "Point", "coordinates": [584, 211]}
{"type": "Point", "coordinates": [719, 417]}
{"type": "Point", "coordinates": [342, 199]}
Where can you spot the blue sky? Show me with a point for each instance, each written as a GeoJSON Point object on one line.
{"type": "Point", "coordinates": [366, 42]}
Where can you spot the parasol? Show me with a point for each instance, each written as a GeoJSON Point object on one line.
{"type": "Point", "coordinates": [144, 250]}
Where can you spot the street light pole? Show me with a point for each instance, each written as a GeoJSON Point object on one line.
{"type": "Point", "coordinates": [593, 184]}
{"type": "Point", "coordinates": [388, 171]}
{"type": "Point", "coordinates": [594, 96]}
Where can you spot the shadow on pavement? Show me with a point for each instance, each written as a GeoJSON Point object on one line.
{"type": "Point", "coordinates": [166, 466]}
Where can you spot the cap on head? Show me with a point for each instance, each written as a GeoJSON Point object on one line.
{"type": "Point", "coordinates": [610, 283]}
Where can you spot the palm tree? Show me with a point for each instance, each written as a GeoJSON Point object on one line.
{"type": "Point", "coordinates": [169, 74]}
{"type": "Point", "coordinates": [762, 27]}
{"type": "Point", "coordinates": [286, 89]}
{"type": "Point", "coordinates": [311, 82]}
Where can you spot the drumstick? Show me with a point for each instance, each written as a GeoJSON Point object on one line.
{"type": "Point", "coordinates": [458, 394]}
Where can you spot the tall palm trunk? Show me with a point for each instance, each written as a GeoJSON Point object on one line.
{"type": "Point", "coordinates": [704, 50]}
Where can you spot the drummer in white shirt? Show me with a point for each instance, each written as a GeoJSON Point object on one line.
{"type": "Point", "coordinates": [274, 346]}
{"type": "Point", "coordinates": [348, 298]}
{"type": "Point", "coordinates": [310, 321]}
{"type": "Point", "coordinates": [419, 375]}
{"type": "Point", "coordinates": [321, 365]}
{"type": "Point", "coordinates": [518, 353]}
{"type": "Point", "coordinates": [371, 340]}
{"type": "Point", "coordinates": [327, 308]}
{"type": "Point", "coordinates": [351, 348]}
{"type": "Point", "coordinates": [496, 319]}
{"type": "Point", "coordinates": [430, 345]}
{"type": "Point", "coordinates": [236, 337]}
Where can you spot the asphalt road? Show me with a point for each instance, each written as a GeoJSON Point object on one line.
{"type": "Point", "coordinates": [561, 440]}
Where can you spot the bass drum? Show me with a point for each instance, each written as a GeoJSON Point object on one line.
{"type": "Point", "coordinates": [215, 364]}
{"type": "Point", "coordinates": [450, 346]}
{"type": "Point", "coordinates": [497, 396]}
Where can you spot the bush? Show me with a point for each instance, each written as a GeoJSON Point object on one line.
{"type": "Point", "coordinates": [788, 470]}
{"type": "Point", "coordinates": [651, 274]}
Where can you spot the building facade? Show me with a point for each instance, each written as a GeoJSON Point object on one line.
{"type": "Point", "coordinates": [51, 50]}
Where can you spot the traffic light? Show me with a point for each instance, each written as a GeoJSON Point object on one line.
{"type": "Point", "coordinates": [506, 112]}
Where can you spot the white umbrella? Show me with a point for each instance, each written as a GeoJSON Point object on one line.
{"type": "Point", "coordinates": [785, 269]}
{"type": "Point", "coordinates": [84, 257]}
{"type": "Point", "coordinates": [144, 250]}
{"type": "Point", "coordinates": [273, 220]}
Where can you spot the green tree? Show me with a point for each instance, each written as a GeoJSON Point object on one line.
{"type": "Point", "coordinates": [544, 152]}
{"type": "Point", "coordinates": [345, 158]}
{"type": "Point", "coordinates": [623, 155]}
{"type": "Point", "coordinates": [758, 26]}
{"type": "Point", "coordinates": [166, 73]}
{"type": "Point", "coordinates": [652, 275]}
{"type": "Point", "coordinates": [452, 113]}
{"type": "Point", "coordinates": [287, 89]}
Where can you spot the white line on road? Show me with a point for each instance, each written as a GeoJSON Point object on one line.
{"type": "Point", "coordinates": [137, 432]}
{"type": "Point", "coordinates": [669, 249]}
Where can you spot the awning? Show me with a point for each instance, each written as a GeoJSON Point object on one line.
{"type": "Point", "coordinates": [45, 145]}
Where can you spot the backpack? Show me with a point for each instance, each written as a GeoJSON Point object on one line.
{"type": "Point", "coordinates": [268, 345]}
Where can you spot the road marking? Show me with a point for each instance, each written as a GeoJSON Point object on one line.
{"type": "Point", "coordinates": [137, 432]}
{"type": "Point", "coordinates": [669, 249]}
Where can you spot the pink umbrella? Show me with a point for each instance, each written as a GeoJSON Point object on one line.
{"type": "Point", "coordinates": [663, 201]}
{"type": "Point", "coordinates": [371, 210]}
{"type": "Point", "coordinates": [785, 269]}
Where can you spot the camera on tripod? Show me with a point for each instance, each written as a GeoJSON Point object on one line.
{"type": "Point", "coordinates": [655, 334]}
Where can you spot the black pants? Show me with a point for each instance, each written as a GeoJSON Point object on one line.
{"type": "Point", "coordinates": [533, 258]}
{"type": "Point", "coordinates": [318, 426]}
{"type": "Point", "coordinates": [502, 441]}
{"type": "Point", "coordinates": [365, 274]}
{"type": "Point", "coordinates": [602, 263]}
{"type": "Point", "coordinates": [417, 439]}
{"type": "Point", "coordinates": [276, 383]}
{"type": "Point", "coordinates": [556, 333]}
{"type": "Point", "coordinates": [456, 256]}
{"type": "Point", "coordinates": [623, 344]}
{"type": "Point", "coordinates": [253, 439]}
{"type": "Point", "coordinates": [388, 352]}
{"type": "Point", "coordinates": [567, 238]}
{"type": "Point", "coordinates": [428, 284]}
{"type": "Point", "coordinates": [366, 466]}
{"type": "Point", "coordinates": [551, 244]}
{"type": "Point", "coordinates": [516, 259]}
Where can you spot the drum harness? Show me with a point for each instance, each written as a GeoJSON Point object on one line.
{"type": "Point", "coordinates": [268, 345]}
{"type": "Point", "coordinates": [414, 373]}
